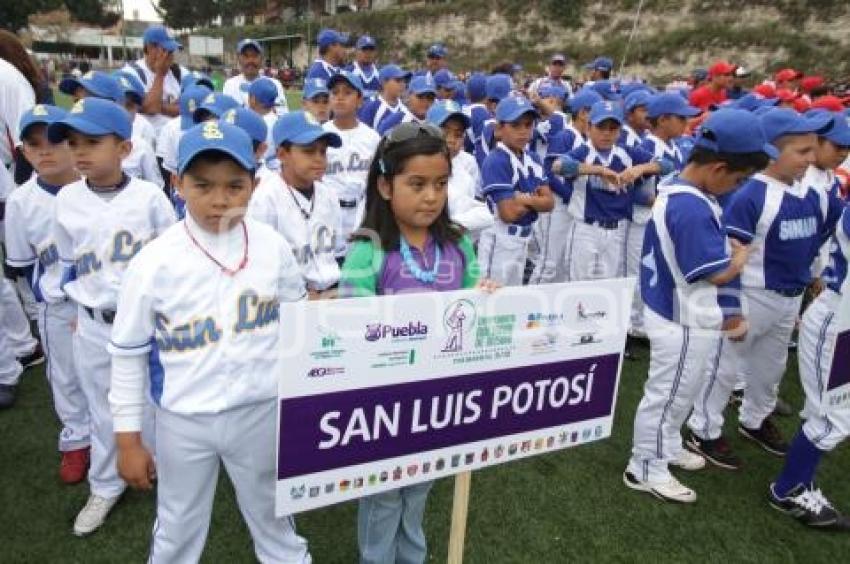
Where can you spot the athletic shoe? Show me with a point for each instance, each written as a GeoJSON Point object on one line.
{"type": "Point", "coordinates": [33, 358]}
{"type": "Point", "coordinates": [737, 398]}
{"type": "Point", "coordinates": [74, 465]}
{"type": "Point", "coordinates": [688, 460]}
{"type": "Point", "coordinates": [94, 514]}
{"type": "Point", "coordinates": [8, 393]}
{"type": "Point", "coordinates": [767, 437]}
{"type": "Point", "coordinates": [807, 505]}
{"type": "Point", "coordinates": [716, 451]}
{"type": "Point", "coordinates": [668, 490]}
{"type": "Point", "coordinates": [783, 408]}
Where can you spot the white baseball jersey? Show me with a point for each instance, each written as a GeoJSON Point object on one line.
{"type": "Point", "coordinates": [16, 97]}
{"type": "Point", "coordinates": [348, 167]}
{"type": "Point", "coordinates": [307, 225]}
{"type": "Point", "coordinates": [270, 157]}
{"type": "Point", "coordinates": [237, 87]}
{"type": "Point", "coordinates": [170, 88]}
{"type": "Point", "coordinates": [143, 128]}
{"type": "Point", "coordinates": [96, 238]}
{"type": "Point", "coordinates": [464, 209]}
{"type": "Point", "coordinates": [467, 162]}
{"type": "Point", "coordinates": [7, 184]}
{"type": "Point", "coordinates": [141, 162]}
{"type": "Point", "coordinates": [212, 339]}
{"type": "Point", "coordinates": [167, 143]}
{"type": "Point", "coordinates": [30, 218]}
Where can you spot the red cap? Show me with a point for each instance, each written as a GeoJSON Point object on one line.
{"type": "Point", "coordinates": [831, 103]}
{"type": "Point", "coordinates": [802, 104]}
{"type": "Point", "coordinates": [785, 95]}
{"type": "Point", "coordinates": [721, 67]}
{"type": "Point", "coordinates": [809, 83]}
{"type": "Point", "coordinates": [766, 90]}
{"type": "Point", "coordinates": [786, 75]}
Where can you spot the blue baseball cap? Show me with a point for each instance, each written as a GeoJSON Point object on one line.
{"type": "Point", "coordinates": [97, 83]}
{"type": "Point", "coordinates": [215, 136]}
{"type": "Point", "coordinates": [608, 89]}
{"type": "Point", "coordinates": [314, 87]}
{"type": "Point", "coordinates": [366, 42]}
{"type": "Point", "coordinates": [442, 110]}
{"type": "Point", "coordinates": [511, 108]}
{"type": "Point", "coordinates": [422, 84]}
{"type": "Point", "coordinates": [193, 78]}
{"type": "Point", "coordinates": [248, 121]}
{"type": "Point", "coordinates": [670, 103]}
{"type": "Point", "coordinates": [734, 131]}
{"type": "Point", "coordinates": [216, 104]}
{"type": "Point", "coordinates": [352, 79]}
{"type": "Point", "coordinates": [301, 128]}
{"type": "Point", "coordinates": [604, 110]}
{"type": "Point", "coordinates": [700, 74]}
{"type": "Point", "coordinates": [600, 64]}
{"type": "Point", "coordinates": [476, 86]}
{"type": "Point", "coordinates": [158, 35]}
{"type": "Point", "coordinates": [498, 86]}
{"type": "Point", "coordinates": [636, 99]}
{"type": "Point", "coordinates": [753, 101]}
{"type": "Point", "coordinates": [40, 114]}
{"type": "Point", "coordinates": [391, 71]}
{"type": "Point", "coordinates": [552, 91]}
{"type": "Point", "coordinates": [437, 51]}
{"type": "Point", "coordinates": [777, 122]}
{"type": "Point", "coordinates": [264, 91]}
{"type": "Point", "coordinates": [630, 87]}
{"type": "Point", "coordinates": [328, 37]}
{"type": "Point", "coordinates": [131, 86]}
{"type": "Point", "coordinates": [92, 116]}
{"type": "Point", "coordinates": [249, 43]}
{"type": "Point", "coordinates": [583, 100]}
{"type": "Point", "coordinates": [190, 100]}
{"type": "Point", "coordinates": [444, 78]}
{"type": "Point", "coordinates": [838, 131]}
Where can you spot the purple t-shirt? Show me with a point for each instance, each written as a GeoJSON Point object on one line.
{"type": "Point", "coordinates": [396, 278]}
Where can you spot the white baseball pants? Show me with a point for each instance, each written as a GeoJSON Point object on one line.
{"type": "Point", "coordinates": [634, 248]}
{"type": "Point", "coordinates": [552, 232]}
{"type": "Point", "coordinates": [502, 255]}
{"type": "Point", "coordinates": [595, 253]}
{"type": "Point", "coordinates": [14, 321]}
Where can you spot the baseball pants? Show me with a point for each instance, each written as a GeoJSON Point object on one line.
{"type": "Point", "coordinates": [15, 322]}
{"type": "Point", "coordinates": [551, 233]}
{"type": "Point", "coordinates": [190, 450]}
{"type": "Point", "coordinates": [502, 255]}
{"type": "Point", "coordinates": [634, 248]}
{"type": "Point", "coordinates": [389, 526]}
{"type": "Point", "coordinates": [594, 252]}
{"type": "Point", "coordinates": [55, 322]}
{"type": "Point", "coordinates": [677, 362]}
{"type": "Point", "coordinates": [10, 368]}
{"type": "Point", "coordinates": [760, 358]}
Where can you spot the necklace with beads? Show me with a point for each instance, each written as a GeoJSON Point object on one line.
{"type": "Point", "coordinates": [229, 271]}
{"type": "Point", "coordinates": [424, 276]}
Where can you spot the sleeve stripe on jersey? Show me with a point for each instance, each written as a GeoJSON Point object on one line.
{"type": "Point", "coordinates": [707, 268]}
{"type": "Point", "coordinates": [21, 263]}
{"type": "Point", "coordinates": [145, 345]}
{"type": "Point", "coordinates": [739, 231]}
{"type": "Point", "coordinates": [491, 187]}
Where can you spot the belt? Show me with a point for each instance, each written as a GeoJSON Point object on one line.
{"type": "Point", "coordinates": [604, 224]}
{"type": "Point", "coordinates": [348, 204]}
{"type": "Point", "coordinates": [519, 230]}
{"type": "Point", "coordinates": [789, 292]}
{"type": "Point", "coordinates": [105, 315]}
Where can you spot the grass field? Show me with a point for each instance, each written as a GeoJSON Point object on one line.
{"type": "Point", "coordinates": [569, 506]}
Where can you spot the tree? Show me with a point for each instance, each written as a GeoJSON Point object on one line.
{"type": "Point", "coordinates": [183, 14]}
{"type": "Point", "coordinates": [14, 14]}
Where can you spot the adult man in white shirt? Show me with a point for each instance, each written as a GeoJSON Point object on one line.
{"type": "Point", "coordinates": [250, 60]}
{"type": "Point", "coordinates": [554, 76]}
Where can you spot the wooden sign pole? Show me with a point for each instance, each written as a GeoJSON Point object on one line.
{"type": "Point", "coordinates": [460, 508]}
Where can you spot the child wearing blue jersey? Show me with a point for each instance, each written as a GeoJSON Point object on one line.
{"type": "Point", "coordinates": [477, 110]}
{"type": "Point", "coordinates": [497, 88]}
{"type": "Point", "coordinates": [393, 81]}
{"type": "Point", "coordinates": [785, 222]}
{"type": "Point", "coordinates": [553, 120]}
{"type": "Point", "coordinates": [316, 99]}
{"type": "Point", "coordinates": [686, 258]}
{"type": "Point", "coordinates": [516, 189]}
{"type": "Point", "coordinates": [637, 124]}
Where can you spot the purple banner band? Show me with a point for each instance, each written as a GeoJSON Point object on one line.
{"type": "Point", "coordinates": [439, 413]}
{"type": "Point", "coordinates": [840, 372]}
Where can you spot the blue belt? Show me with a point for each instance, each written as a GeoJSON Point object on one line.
{"type": "Point", "coordinates": [520, 230]}
{"type": "Point", "coordinates": [348, 204]}
{"type": "Point", "coordinates": [604, 224]}
{"type": "Point", "coordinates": [789, 292]}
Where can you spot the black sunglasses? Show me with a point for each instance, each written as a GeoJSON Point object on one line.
{"type": "Point", "coordinates": [407, 131]}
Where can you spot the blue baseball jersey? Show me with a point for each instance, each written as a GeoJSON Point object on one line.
{"type": "Point", "coordinates": [392, 120]}
{"type": "Point", "coordinates": [486, 142]}
{"type": "Point", "coordinates": [684, 245]}
{"type": "Point", "coordinates": [685, 143]}
{"type": "Point", "coordinates": [836, 272]}
{"type": "Point", "coordinates": [666, 152]}
{"type": "Point", "coordinates": [561, 144]}
{"type": "Point", "coordinates": [786, 226]}
{"type": "Point", "coordinates": [322, 69]}
{"type": "Point", "coordinates": [592, 198]}
{"type": "Point", "coordinates": [629, 137]}
{"type": "Point", "coordinates": [373, 112]}
{"type": "Point", "coordinates": [369, 75]}
{"type": "Point", "coordinates": [478, 114]}
{"type": "Point", "coordinates": [505, 173]}
{"type": "Point", "coordinates": [545, 130]}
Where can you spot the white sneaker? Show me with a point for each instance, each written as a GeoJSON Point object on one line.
{"type": "Point", "coordinates": [93, 514]}
{"type": "Point", "coordinates": [688, 460]}
{"type": "Point", "coordinates": [668, 490]}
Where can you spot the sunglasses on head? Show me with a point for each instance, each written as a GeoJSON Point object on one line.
{"type": "Point", "coordinates": [407, 131]}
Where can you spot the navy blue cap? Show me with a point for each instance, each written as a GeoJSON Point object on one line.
{"type": "Point", "coordinates": [249, 43]}
{"type": "Point", "coordinates": [40, 114]}
{"type": "Point", "coordinates": [601, 111]}
{"type": "Point", "coordinates": [351, 78]}
{"type": "Point", "coordinates": [511, 108]}
{"type": "Point", "coordinates": [193, 78]}
{"type": "Point", "coordinates": [130, 85]}
{"type": "Point", "coordinates": [216, 104]}
{"type": "Point", "coordinates": [838, 131]}
{"type": "Point", "coordinates": [608, 89]}
{"type": "Point", "coordinates": [190, 100]}
{"type": "Point", "coordinates": [264, 91]}
{"type": "Point", "coordinates": [476, 86]}
{"type": "Point", "coordinates": [753, 100]}
{"type": "Point", "coordinates": [422, 84]}
{"type": "Point", "coordinates": [700, 74]}
{"type": "Point", "coordinates": [314, 87]}
{"type": "Point", "coordinates": [437, 50]}
{"type": "Point", "coordinates": [92, 116]}
{"type": "Point", "coordinates": [328, 37]}
{"type": "Point", "coordinates": [366, 42]}
{"type": "Point", "coordinates": [391, 71]}
{"type": "Point", "coordinates": [600, 64]}
{"type": "Point", "coordinates": [670, 103]}
{"type": "Point", "coordinates": [734, 131]}
{"type": "Point", "coordinates": [583, 100]}
{"type": "Point", "coordinates": [552, 91]}
{"type": "Point", "coordinates": [301, 128]}
{"type": "Point", "coordinates": [158, 35]}
{"type": "Point", "coordinates": [215, 136]}
{"type": "Point", "coordinates": [636, 99]}
{"type": "Point", "coordinates": [498, 86]}
{"type": "Point", "coordinates": [442, 110]}
{"type": "Point", "coordinates": [97, 83]}
{"type": "Point", "coordinates": [777, 122]}
{"type": "Point", "coordinates": [444, 78]}
{"type": "Point", "coordinates": [248, 121]}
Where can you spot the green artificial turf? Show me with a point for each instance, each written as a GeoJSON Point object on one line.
{"type": "Point", "coordinates": [569, 506]}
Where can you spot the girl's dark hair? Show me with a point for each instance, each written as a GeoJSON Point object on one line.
{"type": "Point", "coordinates": [13, 51]}
{"type": "Point", "coordinates": [735, 162]}
{"type": "Point", "coordinates": [390, 159]}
